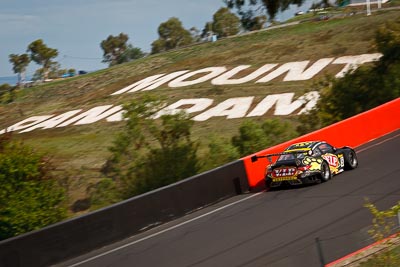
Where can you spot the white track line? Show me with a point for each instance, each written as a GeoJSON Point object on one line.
{"type": "Point", "coordinates": [377, 144]}
{"type": "Point", "coordinates": [164, 231]}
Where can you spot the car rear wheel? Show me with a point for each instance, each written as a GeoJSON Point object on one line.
{"type": "Point", "coordinates": [325, 172]}
{"type": "Point", "coordinates": [351, 161]}
{"type": "Point", "coordinates": [268, 182]}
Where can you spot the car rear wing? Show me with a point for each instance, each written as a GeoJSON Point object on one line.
{"type": "Point", "coordinates": [269, 156]}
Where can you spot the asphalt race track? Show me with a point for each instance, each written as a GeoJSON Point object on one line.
{"type": "Point", "coordinates": [276, 228]}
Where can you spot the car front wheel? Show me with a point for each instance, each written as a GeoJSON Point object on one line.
{"type": "Point", "coordinates": [351, 160]}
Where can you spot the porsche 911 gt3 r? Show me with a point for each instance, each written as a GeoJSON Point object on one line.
{"type": "Point", "coordinates": [308, 162]}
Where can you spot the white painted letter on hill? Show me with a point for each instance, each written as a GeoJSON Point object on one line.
{"type": "Point", "coordinates": [353, 62]}
{"type": "Point", "coordinates": [231, 108]}
{"type": "Point", "coordinates": [212, 73]}
{"type": "Point", "coordinates": [190, 106]}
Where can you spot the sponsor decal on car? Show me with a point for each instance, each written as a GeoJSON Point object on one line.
{"type": "Point", "coordinates": [281, 179]}
{"type": "Point", "coordinates": [336, 162]}
{"type": "Point", "coordinates": [284, 172]}
{"type": "Point", "coordinates": [332, 160]}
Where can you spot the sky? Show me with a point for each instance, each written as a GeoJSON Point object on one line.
{"type": "Point", "coordinates": [76, 28]}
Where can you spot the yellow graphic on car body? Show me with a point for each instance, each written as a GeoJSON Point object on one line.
{"type": "Point", "coordinates": [314, 163]}
{"type": "Point", "coordinates": [303, 144]}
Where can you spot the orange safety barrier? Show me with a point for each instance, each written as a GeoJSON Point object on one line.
{"type": "Point", "coordinates": [353, 132]}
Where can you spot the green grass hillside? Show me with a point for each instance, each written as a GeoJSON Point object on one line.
{"type": "Point", "coordinates": [82, 150]}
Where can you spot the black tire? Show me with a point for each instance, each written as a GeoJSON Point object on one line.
{"type": "Point", "coordinates": [325, 172]}
{"type": "Point", "coordinates": [268, 182]}
{"type": "Point", "coordinates": [350, 160]}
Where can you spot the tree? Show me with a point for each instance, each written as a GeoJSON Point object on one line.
{"type": "Point", "coordinates": [207, 30]}
{"type": "Point", "coordinates": [149, 153]}
{"type": "Point", "coordinates": [20, 62]}
{"type": "Point", "coordinates": [55, 70]}
{"type": "Point", "coordinates": [342, 3]}
{"type": "Point", "coordinates": [4, 88]}
{"type": "Point", "coordinates": [117, 51]}
{"type": "Point", "coordinates": [251, 138]}
{"type": "Point", "coordinates": [42, 55]}
{"type": "Point", "coordinates": [71, 72]}
{"type": "Point", "coordinates": [325, 4]}
{"type": "Point", "coordinates": [364, 88]}
{"type": "Point", "coordinates": [171, 35]}
{"type": "Point", "coordinates": [387, 40]}
{"type": "Point", "coordinates": [29, 197]}
{"type": "Point", "coordinates": [195, 33]}
{"type": "Point", "coordinates": [174, 158]}
{"type": "Point", "coordinates": [131, 53]}
{"type": "Point", "coordinates": [254, 137]}
{"type": "Point", "coordinates": [38, 75]}
{"type": "Point", "coordinates": [7, 93]}
{"type": "Point", "coordinates": [252, 22]}
{"type": "Point", "coordinates": [103, 193]}
{"type": "Point", "coordinates": [225, 23]}
{"type": "Point", "coordinates": [272, 7]}
{"type": "Point", "coordinates": [220, 152]}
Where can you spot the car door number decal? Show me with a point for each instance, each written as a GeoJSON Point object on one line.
{"type": "Point", "coordinates": [341, 158]}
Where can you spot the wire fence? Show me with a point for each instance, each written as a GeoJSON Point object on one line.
{"type": "Point", "coordinates": [357, 246]}
{"type": "Point", "coordinates": [326, 250]}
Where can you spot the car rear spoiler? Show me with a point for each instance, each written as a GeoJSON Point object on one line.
{"type": "Point", "coordinates": [269, 156]}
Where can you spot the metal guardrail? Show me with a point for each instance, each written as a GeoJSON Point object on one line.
{"type": "Point", "coordinates": [76, 236]}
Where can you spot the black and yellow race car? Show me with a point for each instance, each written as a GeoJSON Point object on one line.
{"type": "Point", "coordinates": [307, 163]}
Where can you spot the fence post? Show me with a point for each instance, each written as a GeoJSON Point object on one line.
{"type": "Point", "coordinates": [320, 252]}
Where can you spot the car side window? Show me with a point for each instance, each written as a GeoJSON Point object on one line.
{"type": "Point", "coordinates": [286, 157]}
{"type": "Point", "coordinates": [325, 148]}
{"type": "Point", "coordinates": [316, 152]}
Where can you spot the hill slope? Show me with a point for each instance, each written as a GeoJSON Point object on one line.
{"type": "Point", "coordinates": [82, 149]}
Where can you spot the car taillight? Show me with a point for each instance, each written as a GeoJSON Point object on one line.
{"type": "Point", "coordinates": [304, 168]}
{"type": "Point", "coordinates": [268, 170]}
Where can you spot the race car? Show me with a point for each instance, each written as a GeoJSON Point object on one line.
{"type": "Point", "coordinates": [307, 163]}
